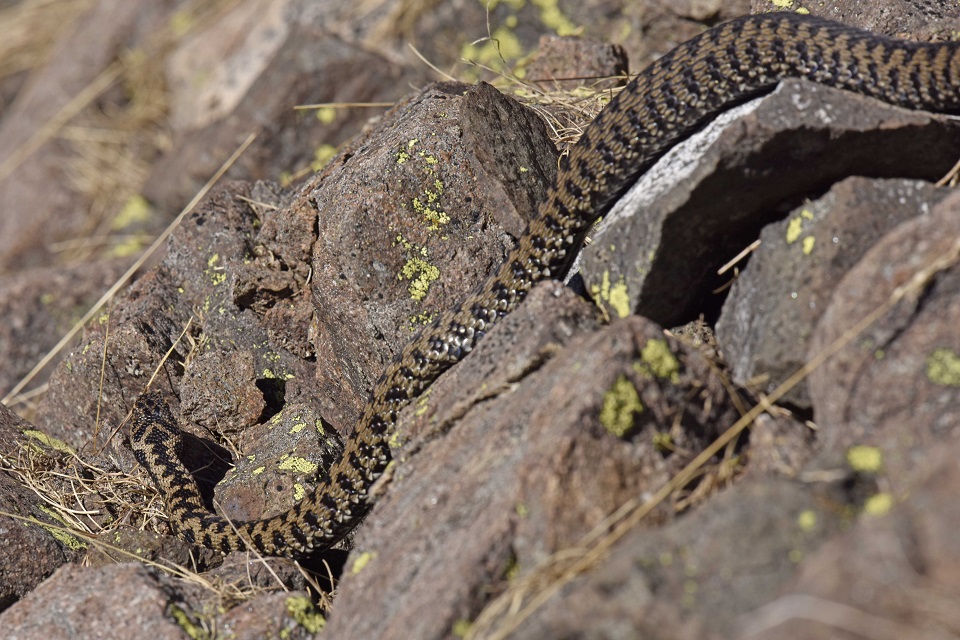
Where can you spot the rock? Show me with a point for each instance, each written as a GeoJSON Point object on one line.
{"type": "Point", "coordinates": [568, 63]}
{"type": "Point", "coordinates": [133, 601]}
{"type": "Point", "coordinates": [775, 303]}
{"type": "Point", "coordinates": [273, 615]}
{"type": "Point", "coordinates": [208, 309]}
{"type": "Point", "coordinates": [40, 306]}
{"type": "Point", "coordinates": [894, 573]}
{"type": "Point", "coordinates": [451, 177]}
{"type": "Point", "coordinates": [30, 552]}
{"type": "Point", "coordinates": [895, 383]}
{"type": "Point", "coordinates": [925, 21]}
{"type": "Point", "coordinates": [254, 89]}
{"type": "Point", "coordinates": [118, 601]}
{"type": "Point", "coordinates": [693, 578]}
{"type": "Point", "coordinates": [530, 467]}
{"type": "Point", "coordinates": [709, 196]}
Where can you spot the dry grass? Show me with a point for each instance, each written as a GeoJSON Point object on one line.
{"type": "Point", "coordinates": [30, 30]}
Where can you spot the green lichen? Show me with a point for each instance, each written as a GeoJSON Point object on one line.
{"type": "Point", "coordinates": [301, 609]}
{"type": "Point", "coordinates": [657, 360]}
{"type": "Point", "coordinates": [943, 368]}
{"type": "Point", "coordinates": [620, 405]}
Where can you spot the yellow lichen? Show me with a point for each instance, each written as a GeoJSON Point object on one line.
{"type": "Point", "coordinates": [297, 464]}
{"type": "Point", "coordinates": [878, 504]}
{"type": "Point", "coordinates": [657, 360]}
{"type": "Point", "coordinates": [943, 368]}
{"type": "Point", "coordinates": [421, 275]}
{"type": "Point", "coordinates": [193, 630]}
{"type": "Point", "coordinates": [326, 115]}
{"type": "Point", "coordinates": [807, 520]}
{"type": "Point", "coordinates": [865, 459]}
{"type": "Point", "coordinates": [795, 226]}
{"type": "Point", "coordinates": [60, 533]}
{"type": "Point", "coordinates": [48, 441]}
{"type": "Point", "coordinates": [322, 155]}
{"type": "Point", "coordinates": [553, 18]}
{"type": "Point", "coordinates": [298, 426]}
{"type": "Point", "coordinates": [362, 561]}
{"type": "Point", "coordinates": [461, 628]}
{"type": "Point", "coordinates": [663, 442]}
{"type": "Point", "coordinates": [136, 210]}
{"type": "Point", "coordinates": [620, 404]}
{"type": "Point", "coordinates": [301, 609]}
{"type": "Point", "coordinates": [614, 296]}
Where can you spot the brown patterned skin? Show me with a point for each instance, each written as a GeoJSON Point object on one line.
{"type": "Point", "coordinates": [664, 104]}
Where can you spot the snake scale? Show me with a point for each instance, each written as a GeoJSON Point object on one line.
{"type": "Point", "coordinates": [664, 104]}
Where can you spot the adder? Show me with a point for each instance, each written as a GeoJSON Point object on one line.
{"type": "Point", "coordinates": [665, 103]}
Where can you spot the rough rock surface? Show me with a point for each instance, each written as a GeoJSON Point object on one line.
{"type": "Point", "coordinates": [895, 384]}
{"type": "Point", "coordinates": [23, 540]}
{"type": "Point", "coordinates": [529, 467]}
{"type": "Point", "coordinates": [40, 306]}
{"type": "Point", "coordinates": [682, 221]}
{"type": "Point", "coordinates": [550, 485]}
{"type": "Point", "coordinates": [778, 298]}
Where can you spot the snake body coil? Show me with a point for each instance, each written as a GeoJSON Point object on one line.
{"type": "Point", "coordinates": [664, 104]}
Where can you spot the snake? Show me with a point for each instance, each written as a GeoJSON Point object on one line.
{"type": "Point", "coordinates": [671, 99]}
